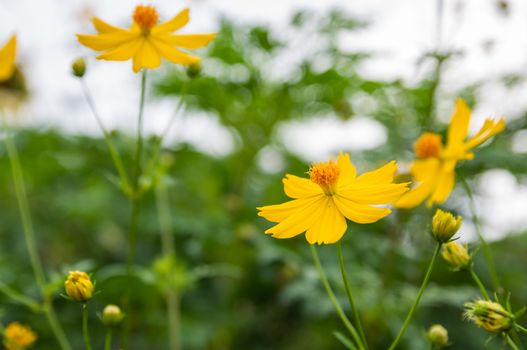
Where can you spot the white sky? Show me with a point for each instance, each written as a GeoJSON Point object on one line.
{"type": "Point", "coordinates": [400, 31]}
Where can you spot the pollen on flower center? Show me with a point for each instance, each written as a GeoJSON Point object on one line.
{"type": "Point", "coordinates": [146, 17]}
{"type": "Point", "coordinates": [325, 175]}
{"type": "Point", "coordinates": [428, 145]}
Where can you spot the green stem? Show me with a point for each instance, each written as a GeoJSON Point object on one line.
{"type": "Point", "coordinates": [521, 328]}
{"type": "Point", "coordinates": [479, 283]}
{"type": "Point", "coordinates": [85, 331]}
{"type": "Point", "coordinates": [29, 235]}
{"type": "Point", "coordinates": [134, 215]}
{"type": "Point", "coordinates": [511, 342]}
{"type": "Point", "coordinates": [334, 300]}
{"type": "Point", "coordinates": [487, 252]}
{"type": "Point", "coordinates": [125, 182]}
{"type": "Point", "coordinates": [167, 245]}
{"type": "Point", "coordinates": [108, 339]}
{"type": "Point", "coordinates": [20, 298]}
{"type": "Point", "coordinates": [416, 302]}
{"type": "Point", "coordinates": [347, 285]}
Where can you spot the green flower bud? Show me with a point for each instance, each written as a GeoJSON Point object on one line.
{"type": "Point", "coordinates": [489, 315]}
{"type": "Point", "coordinates": [437, 335]}
{"type": "Point", "coordinates": [78, 67]}
{"type": "Point", "coordinates": [112, 315]}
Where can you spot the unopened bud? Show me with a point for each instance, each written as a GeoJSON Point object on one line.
{"type": "Point", "coordinates": [445, 225]}
{"type": "Point", "coordinates": [194, 70]}
{"type": "Point", "coordinates": [437, 335]}
{"type": "Point", "coordinates": [489, 315]}
{"type": "Point", "coordinates": [112, 315]}
{"type": "Point", "coordinates": [79, 286]}
{"type": "Point", "coordinates": [78, 67]}
{"type": "Point", "coordinates": [456, 255]}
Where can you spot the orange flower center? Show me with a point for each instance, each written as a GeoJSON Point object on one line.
{"type": "Point", "coordinates": [146, 17]}
{"type": "Point", "coordinates": [428, 145]}
{"type": "Point", "coordinates": [325, 175]}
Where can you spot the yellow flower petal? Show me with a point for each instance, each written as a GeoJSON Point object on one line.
{"type": "Point", "coordinates": [103, 27]}
{"type": "Point", "coordinates": [177, 22]}
{"type": "Point", "coordinates": [383, 175]}
{"type": "Point", "coordinates": [122, 52]}
{"type": "Point", "coordinates": [489, 129]}
{"type": "Point", "coordinates": [458, 128]}
{"type": "Point", "coordinates": [444, 186]}
{"type": "Point", "coordinates": [146, 57]}
{"type": "Point", "coordinates": [380, 194]}
{"type": "Point", "coordinates": [187, 41]}
{"type": "Point", "coordinates": [329, 227]}
{"type": "Point", "coordinates": [359, 213]}
{"type": "Point", "coordinates": [7, 59]}
{"type": "Point", "coordinates": [417, 195]}
{"type": "Point", "coordinates": [347, 171]}
{"type": "Point", "coordinates": [106, 41]}
{"type": "Point", "coordinates": [297, 187]}
{"type": "Point", "coordinates": [173, 54]}
{"type": "Point", "coordinates": [279, 212]}
{"type": "Point", "coordinates": [300, 221]}
{"type": "Point", "coordinates": [425, 169]}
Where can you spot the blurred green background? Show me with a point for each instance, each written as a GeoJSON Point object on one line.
{"type": "Point", "coordinates": [241, 289]}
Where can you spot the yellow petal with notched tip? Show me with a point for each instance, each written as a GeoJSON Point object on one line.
{"type": "Point", "coordinates": [174, 55]}
{"type": "Point", "coordinates": [177, 22]}
{"type": "Point", "coordinates": [383, 175]}
{"type": "Point", "coordinates": [122, 52]}
{"type": "Point", "coordinates": [187, 41]}
{"type": "Point", "coordinates": [330, 225]}
{"type": "Point", "coordinates": [279, 212]}
{"type": "Point", "coordinates": [458, 128]}
{"type": "Point", "coordinates": [106, 41]}
{"type": "Point", "coordinates": [297, 187]}
{"type": "Point", "coordinates": [146, 56]}
{"type": "Point", "coordinates": [103, 27]}
{"type": "Point", "coordinates": [359, 213]}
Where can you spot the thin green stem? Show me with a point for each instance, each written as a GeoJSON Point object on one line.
{"type": "Point", "coordinates": [108, 339]}
{"type": "Point", "coordinates": [347, 285]}
{"type": "Point", "coordinates": [20, 298]}
{"type": "Point", "coordinates": [116, 157]}
{"type": "Point", "coordinates": [334, 300]}
{"type": "Point", "coordinates": [29, 235]}
{"type": "Point", "coordinates": [478, 283]}
{"type": "Point", "coordinates": [169, 253]}
{"type": "Point", "coordinates": [417, 299]}
{"type": "Point", "coordinates": [521, 328]}
{"type": "Point", "coordinates": [487, 252]}
{"type": "Point", "coordinates": [511, 342]}
{"type": "Point", "coordinates": [135, 206]}
{"type": "Point", "coordinates": [85, 330]}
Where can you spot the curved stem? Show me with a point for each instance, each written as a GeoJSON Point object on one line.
{"type": "Point", "coordinates": [417, 299]}
{"type": "Point", "coordinates": [355, 311]}
{"type": "Point", "coordinates": [108, 339]}
{"type": "Point", "coordinates": [479, 283]}
{"type": "Point", "coordinates": [85, 331]}
{"type": "Point", "coordinates": [511, 342]}
{"type": "Point", "coordinates": [334, 300]}
{"type": "Point", "coordinates": [486, 248]}
{"type": "Point", "coordinates": [29, 235]}
{"type": "Point", "coordinates": [167, 245]}
{"type": "Point", "coordinates": [108, 139]}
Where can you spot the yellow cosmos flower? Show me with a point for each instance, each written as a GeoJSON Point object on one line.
{"type": "Point", "coordinates": [18, 336]}
{"type": "Point", "coordinates": [7, 59]}
{"type": "Point", "coordinates": [333, 193]}
{"type": "Point", "coordinates": [435, 170]}
{"type": "Point", "coordinates": [146, 42]}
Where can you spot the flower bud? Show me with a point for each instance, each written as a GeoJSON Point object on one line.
{"type": "Point", "coordinates": [79, 286]}
{"type": "Point", "coordinates": [112, 315]}
{"type": "Point", "coordinates": [456, 255]}
{"type": "Point", "coordinates": [488, 315]}
{"type": "Point", "coordinates": [445, 225]}
{"type": "Point", "coordinates": [78, 67]}
{"type": "Point", "coordinates": [194, 70]}
{"type": "Point", "coordinates": [18, 336]}
{"type": "Point", "coordinates": [437, 335]}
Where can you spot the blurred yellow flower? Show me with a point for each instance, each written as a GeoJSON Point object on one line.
{"type": "Point", "coordinates": [7, 59]}
{"type": "Point", "coordinates": [79, 286]}
{"type": "Point", "coordinates": [146, 42]}
{"type": "Point", "coordinates": [456, 255]}
{"type": "Point", "coordinates": [435, 171]}
{"type": "Point", "coordinates": [333, 193]}
{"type": "Point", "coordinates": [18, 336]}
